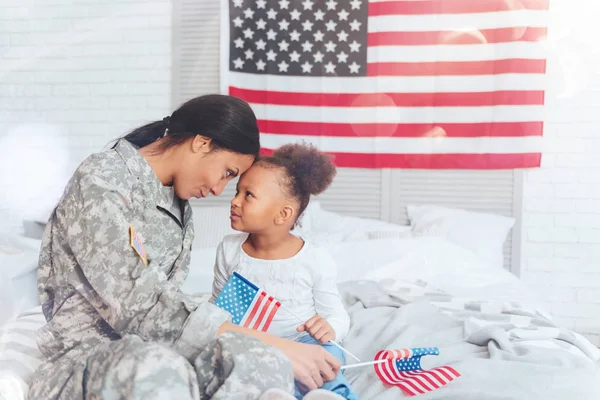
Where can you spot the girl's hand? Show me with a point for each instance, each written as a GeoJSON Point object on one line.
{"type": "Point", "coordinates": [318, 328]}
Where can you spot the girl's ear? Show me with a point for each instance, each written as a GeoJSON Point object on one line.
{"type": "Point", "coordinates": [285, 215]}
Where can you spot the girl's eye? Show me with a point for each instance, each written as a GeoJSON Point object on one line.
{"type": "Point", "coordinates": [229, 174]}
{"type": "Point", "coordinates": [249, 194]}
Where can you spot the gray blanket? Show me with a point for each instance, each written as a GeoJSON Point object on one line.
{"type": "Point", "coordinates": [502, 350]}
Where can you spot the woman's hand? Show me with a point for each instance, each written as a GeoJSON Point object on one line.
{"type": "Point", "coordinates": [318, 328]}
{"type": "Point", "coordinates": [312, 364]}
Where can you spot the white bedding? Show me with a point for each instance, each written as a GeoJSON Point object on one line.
{"type": "Point", "coordinates": [19, 355]}
{"type": "Point", "coordinates": [435, 260]}
{"type": "Point", "coordinates": [18, 280]}
{"type": "Point", "coordinates": [414, 266]}
{"type": "Point", "coordinates": [387, 284]}
{"type": "Point", "coordinates": [503, 350]}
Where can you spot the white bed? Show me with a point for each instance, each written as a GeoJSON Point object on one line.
{"type": "Point", "coordinates": [439, 282]}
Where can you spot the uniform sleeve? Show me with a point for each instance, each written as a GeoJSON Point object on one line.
{"type": "Point", "coordinates": [133, 298]}
{"type": "Point", "coordinates": [220, 273]}
{"type": "Point", "coordinates": [328, 302]}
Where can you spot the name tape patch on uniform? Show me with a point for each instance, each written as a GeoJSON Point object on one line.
{"type": "Point", "coordinates": [136, 243]}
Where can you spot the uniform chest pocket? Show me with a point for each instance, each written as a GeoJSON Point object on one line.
{"type": "Point", "coordinates": [162, 249]}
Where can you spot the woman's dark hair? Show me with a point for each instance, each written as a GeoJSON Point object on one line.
{"type": "Point", "coordinates": [227, 120]}
{"type": "Point", "coordinates": [306, 171]}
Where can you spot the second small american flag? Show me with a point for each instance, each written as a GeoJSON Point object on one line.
{"type": "Point", "coordinates": [249, 306]}
{"type": "Point", "coordinates": [404, 370]}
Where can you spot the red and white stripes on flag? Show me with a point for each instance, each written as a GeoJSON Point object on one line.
{"type": "Point", "coordinates": [401, 354]}
{"type": "Point", "coordinates": [261, 312]}
{"type": "Point", "coordinates": [404, 371]}
{"type": "Point", "coordinates": [432, 84]}
{"type": "Point", "coordinates": [248, 305]}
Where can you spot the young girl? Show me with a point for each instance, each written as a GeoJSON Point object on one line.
{"type": "Point", "coordinates": [270, 197]}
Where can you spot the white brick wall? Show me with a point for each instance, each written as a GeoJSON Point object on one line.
{"type": "Point", "coordinates": [87, 71]}
{"type": "Point", "coordinates": [561, 246]}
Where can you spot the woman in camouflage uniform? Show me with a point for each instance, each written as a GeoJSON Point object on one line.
{"type": "Point", "coordinates": [115, 253]}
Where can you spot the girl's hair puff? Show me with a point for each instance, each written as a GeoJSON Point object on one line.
{"type": "Point", "coordinates": [306, 171]}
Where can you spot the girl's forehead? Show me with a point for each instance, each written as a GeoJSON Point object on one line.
{"type": "Point", "coordinates": [260, 176]}
{"type": "Point", "coordinates": [258, 171]}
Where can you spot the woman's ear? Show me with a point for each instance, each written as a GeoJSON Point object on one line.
{"type": "Point", "coordinates": [285, 215]}
{"type": "Point", "coordinates": [201, 144]}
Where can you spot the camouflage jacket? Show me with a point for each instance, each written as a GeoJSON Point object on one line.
{"type": "Point", "coordinates": [95, 286]}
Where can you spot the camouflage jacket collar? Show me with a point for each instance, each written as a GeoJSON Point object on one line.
{"type": "Point", "coordinates": [141, 169]}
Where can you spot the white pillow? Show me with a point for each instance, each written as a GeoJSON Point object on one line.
{"type": "Point", "coordinates": [326, 227]}
{"type": "Point", "coordinates": [386, 234]}
{"type": "Point", "coordinates": [482, 233]}
{"type": "Point", "coordinates": [429, 263]}
{"type": "Point", "coordinates": [211, 224]}
{"type": "Point", "coordinates": [427, 258]}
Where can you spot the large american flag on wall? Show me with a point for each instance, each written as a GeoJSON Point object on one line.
{"type": "Point", "coordinates": [428, 84]}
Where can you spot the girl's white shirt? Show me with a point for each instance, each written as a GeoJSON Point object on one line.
{"type": "Point", "coordinates": [305, 284]}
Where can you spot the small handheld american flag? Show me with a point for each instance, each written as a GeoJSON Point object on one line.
{"type": "Point", "coordinates": [404, 370]}
{"type": "Point", "coordinates": [250, 306]}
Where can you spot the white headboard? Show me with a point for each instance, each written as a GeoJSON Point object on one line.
{"type": "Point", "coordinates": [381, 194]}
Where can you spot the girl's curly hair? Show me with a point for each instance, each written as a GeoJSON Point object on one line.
{"type": "Point", "coordinates": [307, 171]}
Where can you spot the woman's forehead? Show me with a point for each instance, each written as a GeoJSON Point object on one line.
{"type": "Point", "coordinates": [241, 162]}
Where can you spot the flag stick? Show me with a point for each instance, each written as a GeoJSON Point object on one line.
{"type": "Point", "coordinates": [331, 341]}
{"type": "Point", "coordinates": [344, 350]}
{"type": "Point", "coordinates": [365, 363]}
